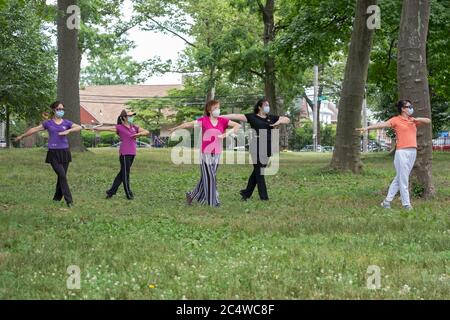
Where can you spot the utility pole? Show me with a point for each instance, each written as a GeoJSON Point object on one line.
{"type": "Point", "coordinates": [364, 119]}
{"type": "Point", "coordinates": [316, 98]}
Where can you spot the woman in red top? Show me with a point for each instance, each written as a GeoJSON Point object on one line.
{"type": "Point", "coordinates": [213, 133]}
{"type": "Point", "coordinates": [128, 132]}
{"type": "Point", "coordinates": [405, 128]}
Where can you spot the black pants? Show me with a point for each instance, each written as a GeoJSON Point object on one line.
{"type": "Point", "coordinates": [62, 186]}
{"type": "Point", "coordinates": [256, 179]}
{"type": "Point", "coordinates": [126, 161]}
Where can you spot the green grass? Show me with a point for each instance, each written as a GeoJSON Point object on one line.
{"type": "Point", "coordinates": [314, 239]}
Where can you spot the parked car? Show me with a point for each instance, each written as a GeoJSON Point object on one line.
{"type": "Point", "coordinates": [310, 148]}
{"type": "Point", "coordinates": [2, 143]}
{"type": "Point", "coordinates": [327, 148]}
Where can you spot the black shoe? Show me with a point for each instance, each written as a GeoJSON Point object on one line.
{"type": "Point", "coordinates": [108, 195]}
{"type": "Point", "coordinates": [188, 199]}
{"type": "Point", "coordinates": [70, 205]}
{"type": "Point", "coordinates": [244, 197]}
{"type": "Point", "coordinates": [130, 198]}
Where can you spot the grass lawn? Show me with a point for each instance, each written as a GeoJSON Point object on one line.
{"type": "Point", "coordinates": [314, 239]}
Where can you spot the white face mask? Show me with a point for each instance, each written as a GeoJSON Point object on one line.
{"type": "Point", "coordinates": [216, 113]}
{"type": "Point", "coordinates": [266, 108]}
{"type": "Point", "coordinates": [410, 110]}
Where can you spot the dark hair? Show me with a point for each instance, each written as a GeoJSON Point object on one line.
{"type": "Point", "coordinates": [55, 105]}
{"type": "Point", "coordinates": [122, 116]}
{"type": "Point", "coordinates": [259, 104]}
{"type": "Point", "coordinates": [401, 104]}
{"type": "Point", "coordinates": [208, 106]}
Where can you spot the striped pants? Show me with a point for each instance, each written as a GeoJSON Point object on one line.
{"type": "Point", "coordinates": [206, 189]}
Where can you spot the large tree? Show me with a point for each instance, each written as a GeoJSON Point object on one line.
{"type": "Point", "coordinates": [346, 155]}
{"type": "Point", "coordinates": [69, 59]}
{"type": "Point", "coordinates": [27, 64]}
{"type": "Point", "coordinates": [413, 83]}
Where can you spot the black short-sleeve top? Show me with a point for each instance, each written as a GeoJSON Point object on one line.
{"type": "Point", "coordinates": [259, 123]}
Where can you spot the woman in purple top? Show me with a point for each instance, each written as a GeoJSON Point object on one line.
{"type": "Point", "coordinates": [128, 132]}
{"type": "Point", "coordinates": [58, 154]}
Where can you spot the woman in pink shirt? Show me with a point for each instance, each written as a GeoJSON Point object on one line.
{"type": "Point", "coordinates": [128, 132]}
{"type": "Point", "coordinates": [213, 132]}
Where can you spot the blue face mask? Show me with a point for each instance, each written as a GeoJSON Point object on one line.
{"type": "Point", "coordinates": [266, 109]}
{"type": "Point", "coordinates": [410, 110]}
{"type": "Point", "coordinates": [130, 119]}
{"type": "Point", "coordinates": [60, 113]}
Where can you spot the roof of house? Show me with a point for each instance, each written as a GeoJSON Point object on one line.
{"type": "Point", "coordinates": [104, 103]}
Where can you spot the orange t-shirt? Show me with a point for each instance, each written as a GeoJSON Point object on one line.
{"type": "Point", "coordinates": [405, 130]}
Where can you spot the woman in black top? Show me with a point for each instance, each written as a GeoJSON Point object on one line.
{"type": "Point", "coordinates": [263, 123]}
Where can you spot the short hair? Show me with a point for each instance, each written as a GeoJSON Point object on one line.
{"type": "Point", "coordinates": [259, 104]}
{"type": "Point", "coordinates": [209, 105]}
{"type": "Point", "coordinates": [401, 104]}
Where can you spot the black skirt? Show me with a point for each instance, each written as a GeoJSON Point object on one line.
{"type": "Point", "coordinates": [58, 155]}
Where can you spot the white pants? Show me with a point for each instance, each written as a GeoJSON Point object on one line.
{"type": "Point", "coordinates": [403, 162]}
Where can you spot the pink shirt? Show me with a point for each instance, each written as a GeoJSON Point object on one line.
{"type": "Point", "coordinates": [210, 142]}
{"type": "Point", "coordinates": [127, 142]}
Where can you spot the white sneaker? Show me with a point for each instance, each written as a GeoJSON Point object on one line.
{"type": "Point", "coordinates": [386, 205]}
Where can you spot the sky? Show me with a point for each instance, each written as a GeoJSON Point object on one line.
{"type": "Point", "coordinates": [150, 45]}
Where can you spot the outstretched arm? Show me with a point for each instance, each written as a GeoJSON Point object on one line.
{"type": "Point", "coordinates": [185, 125]}
{"type": "Point", "coordinates": [235, 117]}
{"type": "Point", "coordinates": [105, 128]}
{"type": "Point", "coordinates": [281, 120]}
{"type": "Point", "coordinates": [30, 132]}
{"type": "Point", "coordinates": [74, 128]}
{"type": "Point", "coordinates": [423, 120]}
{"type": "Point", "coordinates": [380, 125]}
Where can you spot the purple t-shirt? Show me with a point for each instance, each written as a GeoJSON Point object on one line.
{"type": "Point", "coordinates": [128, 143]}
{"type": "Point", "coordinates": [56, 141]}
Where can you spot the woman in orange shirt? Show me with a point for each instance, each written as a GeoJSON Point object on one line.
{"type": "Point", "coordinates": [405, 128]}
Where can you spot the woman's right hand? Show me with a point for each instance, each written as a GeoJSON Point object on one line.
{"type": "Point", "coordinates": [18, 138]}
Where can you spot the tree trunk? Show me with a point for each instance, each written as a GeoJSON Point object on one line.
{"type": "Point", "coordinates": [346, 155]}
{"type": "Point", "coordinates": [211, 93]}
{"type": "Point", "coordinates": [8, 127]}
{"type": "Point", "coordinates": [269, 61]}
{"type": "Point", "coordinates": [270, 79]}
{"type": "Point", "coordinates": [69, 60]}
{"type": "Point", "coordinates": [413, 84]}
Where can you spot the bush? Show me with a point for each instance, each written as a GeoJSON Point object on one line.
{"type": "Point", "coordinates": [105, 139]}
{"type": "Point", "coordinates": [109, 138]}
{"type": "Point", "coordinates": [302, 136]}
{"type": "Point", "coordinates": [88, 138]}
